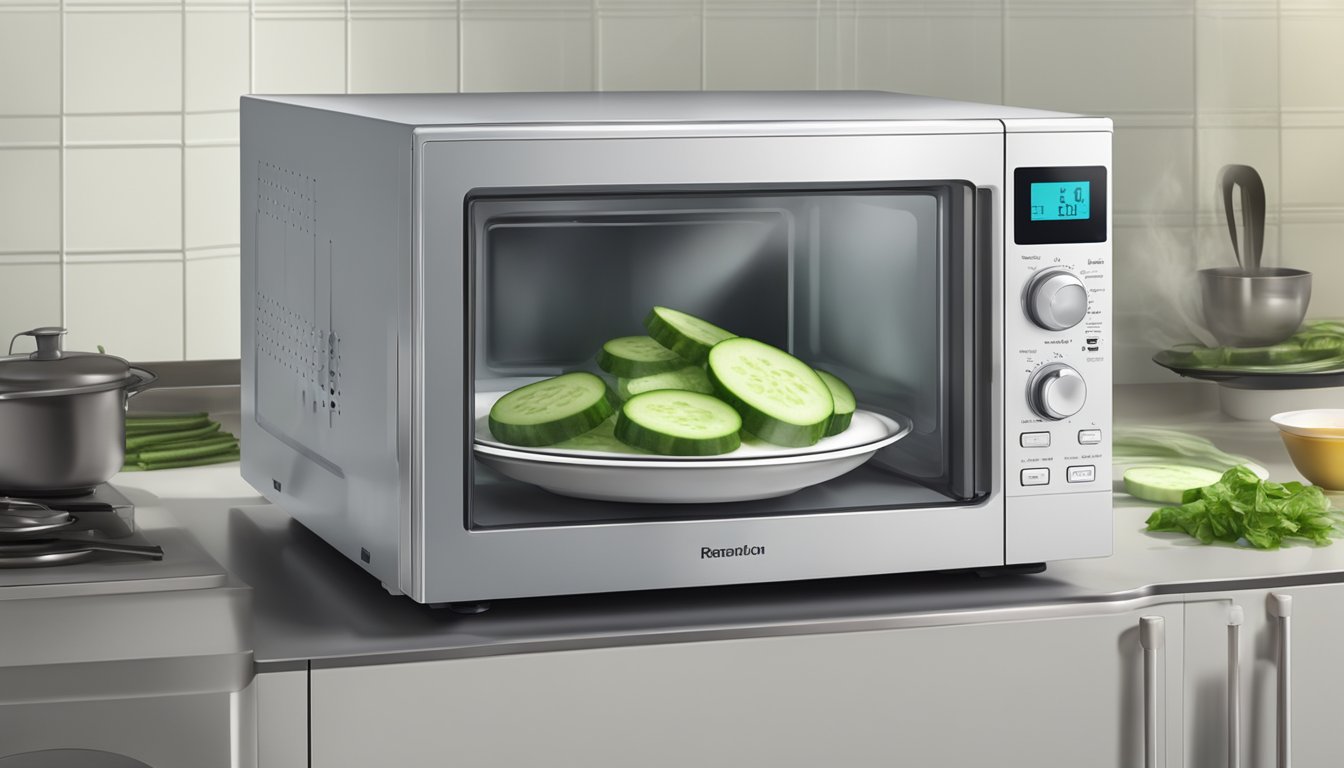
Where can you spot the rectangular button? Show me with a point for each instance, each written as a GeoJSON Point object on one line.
{"type": "Point", "coordinates": [1089, 436]}
{"type": "Point", "coordinates": [1034, 439]}
{"type": "Point", "coordinates": [1083, 474]}
{"type": "Point", "coordinates": [1039, 476]}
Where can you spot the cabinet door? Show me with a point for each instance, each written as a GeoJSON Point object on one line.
{"type": "Point", "coordinates": [1063, 692]}
{"type": "Point", "coordinates": [1316, 680]}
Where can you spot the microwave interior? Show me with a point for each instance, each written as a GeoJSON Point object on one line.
{"type": "Point", "coordinates": [876, 284]}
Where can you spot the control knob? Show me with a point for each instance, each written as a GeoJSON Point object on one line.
{"type": "Point", "coordinates": [1056, 299]}
{"type": "Point", "coordinates": [1056, 391]}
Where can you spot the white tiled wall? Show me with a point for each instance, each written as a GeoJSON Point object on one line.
{"type": "Point", "coordinates": [119, 137]}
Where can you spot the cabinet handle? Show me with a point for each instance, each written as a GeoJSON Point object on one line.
{"type": "Point", "coordinates": [1235, 616]}
{"type": "Point", "coordinates": [1281, 606]}
{"type": "Point", "coordinates": [1151, 637]}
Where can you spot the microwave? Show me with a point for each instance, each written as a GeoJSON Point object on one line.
{"type": "Point", "coordinates": [408, 260]}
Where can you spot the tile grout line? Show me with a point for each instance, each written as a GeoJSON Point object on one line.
{"type": "Point", "coordinates": [853, 73]}
{"type": "Point", "coordinates": [1195, 134]}
{"type": "Point", "coordinates": [182, 205]}
{"type": "Point", "coordinates": [1003, 51]}
{"type": "Point", "coordinates": [60, 164]}
{"type": "Point", "coordinates": [704, 29]}
{"type": "Point", "coordinates": [348, 33]}
{"type": "Point", "coordinates": [1278, 102]}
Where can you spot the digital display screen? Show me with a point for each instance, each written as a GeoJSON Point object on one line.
{"type": "Point", "coordinates": [1061, 200]}
{"type": "Point", "coordinates": [1060, 204]}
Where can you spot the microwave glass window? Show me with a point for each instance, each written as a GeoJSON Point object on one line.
{"type": "Point", "coordinates": [868, 284]}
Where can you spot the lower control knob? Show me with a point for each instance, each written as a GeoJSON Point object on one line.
{"type": "Point", "coordinates": [1056, 391]}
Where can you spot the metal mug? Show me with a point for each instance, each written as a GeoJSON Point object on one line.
{"type": "Point", "coordinates": [1254, 310]}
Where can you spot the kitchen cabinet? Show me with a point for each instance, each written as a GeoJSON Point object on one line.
{"type": "Point", "coordinates": [1047, 689]}
{"type": "Point", "coordinates": [1316, 678]}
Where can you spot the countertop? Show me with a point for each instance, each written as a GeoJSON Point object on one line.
{"type": "Point", "coordinates": [314, 607]}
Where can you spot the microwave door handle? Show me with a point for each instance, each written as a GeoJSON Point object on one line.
{"type": "Point", "coordinates": [1281, 607]}
{"type": "Point", "coordinates": [1151, 637]}
{"type": "Point", "coordinates": [1234, 618]}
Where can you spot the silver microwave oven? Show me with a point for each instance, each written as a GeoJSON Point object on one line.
{"type": "Point", "coordinates": [410, 259]}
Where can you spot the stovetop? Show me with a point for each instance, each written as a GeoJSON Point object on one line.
{"type": "Point", "coordinates": [57, 531]}
{"type": "Point", "coordinates": [101, 542]}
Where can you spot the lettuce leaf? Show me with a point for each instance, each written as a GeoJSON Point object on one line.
{"type": "Point", "coordinates": [1242, 508]}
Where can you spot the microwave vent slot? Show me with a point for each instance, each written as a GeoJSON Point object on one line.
{"type": "Point", "coordinates": [298, 350]}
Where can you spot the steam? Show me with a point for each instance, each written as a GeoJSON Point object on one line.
{"type": "Point", "coordinates": [1165, 268]}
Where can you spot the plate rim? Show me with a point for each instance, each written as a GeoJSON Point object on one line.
{"type": "Point", "coordinates": [903, 427]}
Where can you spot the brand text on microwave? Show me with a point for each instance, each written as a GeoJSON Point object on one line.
{"type": "Point", "coordinates": [742, 551]}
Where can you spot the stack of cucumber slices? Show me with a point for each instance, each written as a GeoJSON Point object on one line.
{"type": "Point", "coordinates": [688, 388]}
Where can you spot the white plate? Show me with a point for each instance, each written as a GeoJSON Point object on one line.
{"type": "Point", "coordinates": [756, 471]}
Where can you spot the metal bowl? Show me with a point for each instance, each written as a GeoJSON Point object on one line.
{"type": "Point", "coordinates": [1254, 310]}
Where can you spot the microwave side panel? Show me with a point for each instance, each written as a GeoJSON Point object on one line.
{"type": "Point", "coordinates": [325, 201]}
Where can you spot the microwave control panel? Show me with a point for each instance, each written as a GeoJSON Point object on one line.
{"type": "Point", "coordinates": [1058, 334]}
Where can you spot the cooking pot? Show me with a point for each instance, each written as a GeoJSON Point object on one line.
{"type": "Point", "coordinates": [62, 416]}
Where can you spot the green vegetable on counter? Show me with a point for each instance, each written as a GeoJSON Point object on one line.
{"type": "Point", "coordinates": [180, 451]}
{"type": "Point", "coordinates": [165, 423]}
{"type": "Point", "coordinates": [217, 458]}
{"type": "Point", "coordinates": [1151, 445]}
{"type": "Point", "coordinates": [171, 440]}
{"type": "Point", "coordinates": [136, 442]}
{"type": "Point", "coordinates": [1241, 507]}
{"type": "Point", "coordinates": [1167, 483]}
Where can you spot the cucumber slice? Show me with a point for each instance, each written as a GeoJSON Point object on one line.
{"type": "Point", "coordinates": [687, 335]}
{"type": "Point", "coordinates": [600, 438]}
{"type": "Point", "coordinates": [845, 403]}
{"type": "Point", "coordinates": [634, 356]}
{"type": "Point", "coordinates": [692, 378]}
{"type": "Point", "coordinates": [1167, 483]}
{"type": "Point", "coordinates": [679, 423]}
{"type": "Point", "coordinates": [781, 399]}
{"type": "Point", "coordinates": [549, 411]}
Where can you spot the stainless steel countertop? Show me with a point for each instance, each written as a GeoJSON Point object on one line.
{"type": "Point", "coordinates": [314, 606]}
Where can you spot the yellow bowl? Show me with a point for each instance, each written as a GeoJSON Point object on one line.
{"type": "Point", "coordinates": [1319, 459]}
{"type": "Point", "coordinates": [1314, 422]}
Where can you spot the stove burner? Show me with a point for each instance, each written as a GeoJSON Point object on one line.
{"type": "Point", "coordinates": [65, 530]}
{"type": "Point", "coordinates": [21, 518]}
{"type": "Point", "coordinates": [39, 558]}
{"type": "Point", "coordinates": [58, 493]}
{"type": "Point", "coordinates": [41, 552]}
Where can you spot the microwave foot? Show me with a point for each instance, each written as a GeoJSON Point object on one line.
{"type": "Point", "coordinates": [466, 609]}
{"type": "Point", "coordinates": [1017, 569]}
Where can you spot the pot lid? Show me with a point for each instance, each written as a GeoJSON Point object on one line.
{"type": "Point", "coordinates": [52, 368]}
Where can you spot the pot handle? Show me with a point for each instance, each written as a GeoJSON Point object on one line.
{"type": "Point", "coordinates": [1252, 212]}
{"type": "Point", "coordinates": [144, 379]}
{"type": "Point", "coordinates": [48, 342]}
